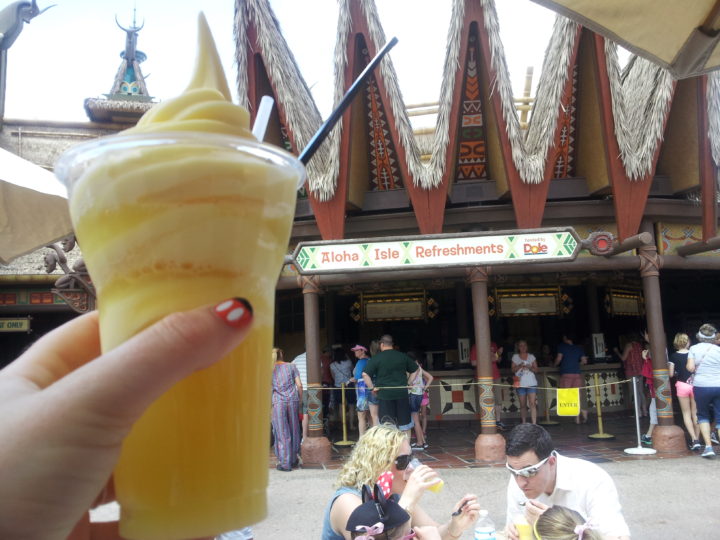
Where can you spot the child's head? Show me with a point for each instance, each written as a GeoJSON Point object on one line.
{"type": "Point", "coordinates": [681, 341]}
{"type": "Point", "coordinates": [561, 523]}
{"type": "Point", "coordinates": [378, 518]}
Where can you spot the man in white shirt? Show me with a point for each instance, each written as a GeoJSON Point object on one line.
{"type": "Point", "coordinates": [300, 363]}
{"type": "Point", "coordinates": [542, 478]}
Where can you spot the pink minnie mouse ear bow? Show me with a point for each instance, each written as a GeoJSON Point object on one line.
{"type": "Point", "coordinates": [580, 529]}
{"type": "Point", "coordinates": [370, 532]}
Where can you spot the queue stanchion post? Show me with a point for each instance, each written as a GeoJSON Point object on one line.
{"type": "Point", "coordinates": [639, 450]}
{"type": "Point", "coordinates": [598, 407]}
{"type": "Point", "coordinates": [548, 398]}
{"type": "Point", "coordinates": [344, 441]}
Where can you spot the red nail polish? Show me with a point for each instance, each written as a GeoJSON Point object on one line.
{"type": "Point", "coordinates": [236, 312]}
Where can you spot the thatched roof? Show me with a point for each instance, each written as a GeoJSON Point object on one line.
{"type": "Point", "coordinates": [293, 94]}
{"type": "Point", "coordinates": [123, 110]}
{"type": "Point", "coordinates": [529, 151]}
{"type": "Point", "coordinates": [529, 158]}
{"type": "Point", "coordinates": [641, 97]}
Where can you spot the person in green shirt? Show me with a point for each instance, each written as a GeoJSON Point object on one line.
{"type": "Point", "coordinates": [391, 368]}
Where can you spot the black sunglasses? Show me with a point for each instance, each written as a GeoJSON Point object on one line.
{"type": "Point", "coordinates": [402, 462]}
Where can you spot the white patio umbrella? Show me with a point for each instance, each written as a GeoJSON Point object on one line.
{"type": "Point", "coordinates": [33, 207]}
{"type": "Point", "coordinates": [680, 35]}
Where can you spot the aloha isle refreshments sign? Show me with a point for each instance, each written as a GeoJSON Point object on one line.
{"type": "Point", "coordinates": [442, 250]}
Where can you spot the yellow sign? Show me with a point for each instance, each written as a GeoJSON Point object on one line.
{"type": "Point", "coordinates": [15, 325]}
{"type": "Point", "coordinates": [568, 401]}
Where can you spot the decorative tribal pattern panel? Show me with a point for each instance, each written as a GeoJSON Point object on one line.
{"type": "Point", "coordinates": [673, 235]}
{"type": "Point", "coordinates": [457, 396]}
{"type": "Point", "coordinates": [564, 154]}
{"type": "Point", "coordinates": [472, 153]}
{"type": "Point", "coordinates": [611, 395]}
{"type": "Point", "coordinates": [383, 157]}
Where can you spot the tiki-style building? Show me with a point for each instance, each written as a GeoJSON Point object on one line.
{"type": "Point", "coordinates": [598, 219]}
{"type": "Point", "coordinates": [625, 157]}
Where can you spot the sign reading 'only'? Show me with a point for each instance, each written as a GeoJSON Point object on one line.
{"type": "Point", "coordinates": [540, 245]}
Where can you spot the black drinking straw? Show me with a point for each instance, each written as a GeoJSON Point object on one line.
{"type": "Point", "coordinates": [321, 133]}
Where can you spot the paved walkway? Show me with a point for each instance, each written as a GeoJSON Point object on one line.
{"type": "Point", "coordinates": [662, 498]}
{"type": "Point", "coordinates": [454, 446]}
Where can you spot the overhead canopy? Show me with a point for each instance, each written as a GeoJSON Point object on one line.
{"type": "Point", "coordinates": [33, 207]}
{"type": "Point", "coordinates": [680, 36]}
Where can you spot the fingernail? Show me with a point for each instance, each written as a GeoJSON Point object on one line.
{"type": "Point", "coordinates": [236, 312]}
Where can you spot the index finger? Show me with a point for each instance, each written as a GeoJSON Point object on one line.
{"type": "Point", "coordinates": [533, 503]}
{"type": "Point", "coordinates": [59, 352]}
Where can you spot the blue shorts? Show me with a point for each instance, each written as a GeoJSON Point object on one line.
{"type": "Point", "coordinates": [704, 397]}
{"type": "Point", "coordinates": [415, 402]}
{"type": "Point", "coordinates": [372, 398]}
{"type": "Point", "coordinates": [525, 390]}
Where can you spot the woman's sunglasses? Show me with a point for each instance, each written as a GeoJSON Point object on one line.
{"type": "Point", "coordinates": [402, 461]}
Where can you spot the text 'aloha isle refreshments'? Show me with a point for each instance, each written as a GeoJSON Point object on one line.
{"type": "Point", "coordinates": [556, 244]}
{"type": "Point", "coordinates": [185, 210]}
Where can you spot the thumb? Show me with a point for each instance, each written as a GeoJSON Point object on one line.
{"type": "Point", "coordinates": [123, 382]}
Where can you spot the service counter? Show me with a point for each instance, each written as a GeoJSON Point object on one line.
{"type": "Point", "coordinates": [454, 393]}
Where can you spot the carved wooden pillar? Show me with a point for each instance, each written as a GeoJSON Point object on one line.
{"type": "Point", "coordinates": [490, 445]}
{"type": "Point", "coordinates": [316, 447]}
{"type": "Point", "coordinates": [667, 437]}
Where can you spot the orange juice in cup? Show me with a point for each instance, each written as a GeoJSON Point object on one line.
{"type": "Point", "coordinates": [414, 464]}
{"type": "Point", "coordinates": [184, 210]}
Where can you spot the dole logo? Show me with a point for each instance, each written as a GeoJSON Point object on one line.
{"type": "Point", "coordinates": [535, 249]}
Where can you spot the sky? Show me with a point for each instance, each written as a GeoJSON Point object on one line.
{"type": "Point", "coordinates": [72, 51]}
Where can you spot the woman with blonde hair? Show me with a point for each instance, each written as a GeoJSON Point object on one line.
{"type": "Point", "coordinates": [561, 523]}
{"type": "Point", "coordinates": [684, 389]}
{"type": "Point", "coordinates": [380, 450]}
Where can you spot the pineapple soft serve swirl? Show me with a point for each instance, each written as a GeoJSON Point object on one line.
{"type": "Point", "coordinates": [174, 211]}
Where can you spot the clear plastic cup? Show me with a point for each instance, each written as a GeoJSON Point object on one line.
{"type": "Point", "coordinates": [414, 464]}
{"type": "Point", "coordinates": [169, 222]}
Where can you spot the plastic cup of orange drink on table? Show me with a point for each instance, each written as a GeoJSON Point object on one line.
{"type": "Point", "coordinates": [414, 464]}
{"type": "Point", "coordinates": [524, 529]}
{"type": "Point", "coordinates": [184, 210]}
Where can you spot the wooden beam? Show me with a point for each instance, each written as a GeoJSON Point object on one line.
{"type": "Point", "coordinates": [699, 247]}
{"type": "Point", "coordinates": [633, 242]}
{"type": "Point", "coordinates": [708, 185]}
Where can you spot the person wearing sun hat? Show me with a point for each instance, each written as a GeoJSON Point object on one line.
{"type": "Point", "coordinates": [704, 361]}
